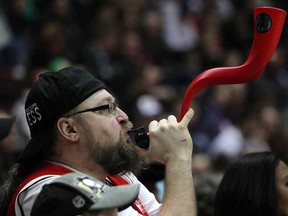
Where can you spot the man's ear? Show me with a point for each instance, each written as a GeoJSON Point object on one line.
{"type": "Point", "coordinates": [67, 128]}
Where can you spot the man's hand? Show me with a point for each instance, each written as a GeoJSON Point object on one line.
{"type": "Point", "coordinates": [170, 140]}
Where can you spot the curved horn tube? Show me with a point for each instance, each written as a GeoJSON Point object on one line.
{"type": "Point", "coordinates": [268, 25]}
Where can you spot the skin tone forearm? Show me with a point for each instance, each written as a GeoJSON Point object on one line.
{"type": "Point", "coordinates": [179, 190]}
{"type": "Point", "coordinates": [171, 144]}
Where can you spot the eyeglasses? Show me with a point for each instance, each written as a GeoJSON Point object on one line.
{"type": "Point", "coordinates": [111, 107]}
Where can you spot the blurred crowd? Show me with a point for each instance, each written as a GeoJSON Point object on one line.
{"type": "Point", "coordinates": [148, 52]}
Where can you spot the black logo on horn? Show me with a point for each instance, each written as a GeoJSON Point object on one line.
{"type": "Point", "coordinates": [263, 23]}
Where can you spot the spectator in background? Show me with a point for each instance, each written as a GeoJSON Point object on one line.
{"type": "Point", "coordinates": [254, 185]}
{"type": "Point", "coordinates": [180, 30]}
{"type": "Point", "coordinates": [7, 150]}
{"type": "Point", "coordinates": [20, 16]}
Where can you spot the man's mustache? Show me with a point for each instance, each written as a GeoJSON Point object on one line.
{"type": "Point", "coordinates": [127, 125]}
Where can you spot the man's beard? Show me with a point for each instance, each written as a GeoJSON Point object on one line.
{"type": "Point", "coordinates": [115, 158]}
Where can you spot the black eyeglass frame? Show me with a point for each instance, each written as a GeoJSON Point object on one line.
{"type": "Point", "coordinates": [111, 107]}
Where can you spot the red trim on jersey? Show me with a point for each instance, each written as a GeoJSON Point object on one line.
{"type": "Point", "coordinates": [46, 168]}
{"type": "Point", "coordinates": [137, 205]}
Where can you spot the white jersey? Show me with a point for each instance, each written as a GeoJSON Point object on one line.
{"type": "Point", "coordinates": [27, 196]}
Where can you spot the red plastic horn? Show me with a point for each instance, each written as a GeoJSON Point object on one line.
{"type": "Point", "coordinates": [268, 25]}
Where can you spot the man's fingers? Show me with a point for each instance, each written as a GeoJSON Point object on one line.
{"type": "Point", "coordinates": [163, 122]}
{"type": "Point", "coordinates": [187, 117]}
{"type": "Point", "coordinates": [153, 125]}
{"type": "Point", "coordinates": [172, 119]}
